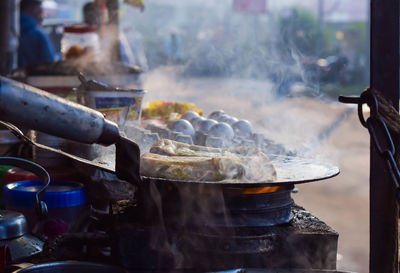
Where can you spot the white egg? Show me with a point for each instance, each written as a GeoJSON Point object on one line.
{"type": "Point", "coordinates": [205, 125]}
{"type": "Point", "coordinates": [222, 130]}
{"type": "Point", "coordinates": [216, 114]}
{"type": "Point", "coordinates": [223, 118]}
{"type": "Point", "coordinates": [183, 126]}
{"type": "Point", "coordinates": [231, 120]}
{"type": "Point", "coordinates": [190, 115]}
{"type": "Point", "coordinates": [195, 122]}
{"type": "Point", "coordinates": [243, 128]}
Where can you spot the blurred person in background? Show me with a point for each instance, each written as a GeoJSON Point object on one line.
{"type": "Point", "coordinates": [124, 53]}
{"type": "Point", "coordinates": [35, 46]}
{"type": "Point", "coordinates": [91, 15]}
{"type": "Point", "coordinates": [173, 49]}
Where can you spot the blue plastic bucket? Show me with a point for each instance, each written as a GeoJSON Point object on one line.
{"type": "Point", "coordinates": [65, 201]}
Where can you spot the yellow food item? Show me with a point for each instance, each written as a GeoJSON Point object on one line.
{"type": "Point", "coordinates": [168, 110]}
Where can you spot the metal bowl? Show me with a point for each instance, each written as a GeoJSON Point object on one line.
{"type": "Point", "coordinates": [13, 234]}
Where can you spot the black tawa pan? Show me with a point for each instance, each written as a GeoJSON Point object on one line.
{"type": "Point", "coordinates": [290, 170]}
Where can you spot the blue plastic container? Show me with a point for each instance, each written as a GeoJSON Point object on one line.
{"type": "Point", "coordinates": [65, 201]}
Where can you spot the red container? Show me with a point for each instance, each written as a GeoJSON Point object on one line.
{"type": "Point", "coordinates": [18, 174]}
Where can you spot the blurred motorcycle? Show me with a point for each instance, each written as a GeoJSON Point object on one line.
{"type": "Point", "coordinates": [310, 71]}
{"type": "Point", "coordinates": [325, 70]}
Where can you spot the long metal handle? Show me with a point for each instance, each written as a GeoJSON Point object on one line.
{"type": "Point", "coordinates": [33, 108]}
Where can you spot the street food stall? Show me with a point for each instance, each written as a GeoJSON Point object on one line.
{"type": "Point", "coordinates": [189, 191]}
{"type": "Point", "coordinates": [87, 48]}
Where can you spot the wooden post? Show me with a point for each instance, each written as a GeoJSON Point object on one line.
{"type": "Point", "coordinates": [384, 76]}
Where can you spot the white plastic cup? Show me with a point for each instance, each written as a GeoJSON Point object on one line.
{"type": "Point", "coordinates": [118, 106]}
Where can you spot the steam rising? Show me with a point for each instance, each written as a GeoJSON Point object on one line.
{"type": "Point", "coordinates": [181, 214]}
{"type": "Point", "coordinates": [249, 65]}
{"type": "Point", "coordinates": [239, 63]}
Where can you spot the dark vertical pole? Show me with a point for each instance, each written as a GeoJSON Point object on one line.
{"type": "Point", "coordinates": [4, 37]}
{"type": "Point", "coordinates": [385, 78]}
{"type": "Point", "coordinates": [366, 73]}
{"type": "Point", "coordinates": [8, 36]}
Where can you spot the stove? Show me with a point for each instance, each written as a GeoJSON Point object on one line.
{"type": "Point", "coordinates": [304, 242]}
{"type": "Point", "coordinates": [143, 239]}
{"type": "Point", "coordinates": [203, 227]}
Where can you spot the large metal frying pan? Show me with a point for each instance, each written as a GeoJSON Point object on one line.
{"type": "Point", "coordinates": [290, 170]}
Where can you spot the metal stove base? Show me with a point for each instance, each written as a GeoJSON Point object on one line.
{"type": "Point", "coordinates": [305, 242]}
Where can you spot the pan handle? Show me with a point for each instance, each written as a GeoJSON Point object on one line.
{"type": "Point", "coordinates": [36, 109]}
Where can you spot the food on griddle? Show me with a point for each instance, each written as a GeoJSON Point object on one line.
{"type": "Point", "coordinates": [180, 161]}
{"type": "Point", "coordinates": [199, 168]}
{"type": "Point", "coordinates": [174, 148]}
{"type": "Point", "coordinates": [171, 147]}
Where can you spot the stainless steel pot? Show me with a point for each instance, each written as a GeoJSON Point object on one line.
{"type": "Point", "coordinates": [14, 235]}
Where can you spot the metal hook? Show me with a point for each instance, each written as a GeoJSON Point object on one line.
{"type": "Point", "coordinates": [359, 101]}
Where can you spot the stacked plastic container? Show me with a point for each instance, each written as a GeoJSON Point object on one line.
{"type": "Point", "coordinates": [65, 200]}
